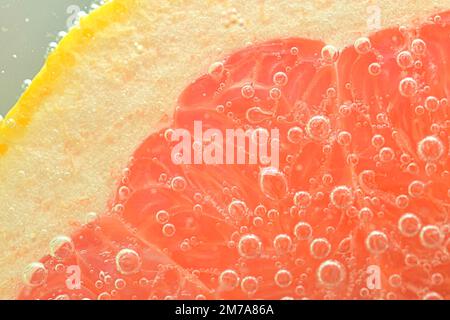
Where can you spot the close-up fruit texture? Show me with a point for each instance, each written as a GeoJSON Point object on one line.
{"type": "Point", "coordinates": [258, 149]}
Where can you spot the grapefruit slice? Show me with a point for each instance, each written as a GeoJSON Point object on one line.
{"type": "Point", "coordinates": [362, 182]}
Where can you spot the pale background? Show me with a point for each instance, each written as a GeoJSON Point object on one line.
{"type": "Point", "coordinates": [27, 27]}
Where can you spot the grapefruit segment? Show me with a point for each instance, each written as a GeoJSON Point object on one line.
{"type": "Point", "coordinates": [114, 263]}
{"type": "Point", "coordinates": [362, 182]}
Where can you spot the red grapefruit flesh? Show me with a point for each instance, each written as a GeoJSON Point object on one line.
{"type": "Point", "coordinates": [363, 184]}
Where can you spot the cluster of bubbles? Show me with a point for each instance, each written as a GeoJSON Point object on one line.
{"type": "Point", "coordinates": [327, 201]}
{"type": "Point", "coordinates": [35, 274]}
{"type": "Point", "coordinates": [319, 128]}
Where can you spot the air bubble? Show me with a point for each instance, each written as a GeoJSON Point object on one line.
{"type": "Point", "coordinates": [377, 242]}
{"type": "Point", "coordinates": [275, 93]}
{"type": "Point", "coordinates": [395, 280]}
{"type": "Point", "coordinates": [302, 199]}
{"type": "Point", "coordinates": [362, 45]}
{"type": "Point", "coordinates": [168, 230]}
{"type": "Point", "coordinates": [431, 103]}
{"type": "Point", "coordinates": [418, 47]}
{"type": "Point", "coordinates": [178, 184]}
{"type": "Point", "coordinates": [283, 278]}
{"type": "Point", "coordinates": [405, 59]}
{"type": "Point", "coordinates": [431, 236]}
{"type": "Point", "coordinates": [90, 217]}
{"type": "Point", "coordinates": [386, 154]}
{"type": "Point", "coordinates": [258, 221]}
{"type": "Point", "coordinates": [341, 197]}
{"type": "Point", "coordinates": [237, 209]}
{"type": "Point", "coordinates": [365, 214]}
{"type": "Point", "coordinates": [303, 231]}
{"type": "Point", "coordinates": [35, 274]}
{"type": "Point", "coordinates": [168, 134]}
{"type": "Point", "coordinates": [120, 284]}
{"type": "Point", "coordinates": [320, 248]}
{"type": "Point", "coordinates": [413, 168]}
{"type": "Point", "coordinates": [295, 135]}
{"type": "Point", "coordinates": [344, 138]}
{"type": "Point", "coordinates": [329, 54]}
{"type": "Point", "coordinates": [249, 285]}
{"type": "Point", "coordinates": [61, 247]}
{"type": "Point", "coordinates": [430, 169]}
{"type": "Point", "coordinates": [377, 141]}
{"type": "Point", "coordinates": [128, 261]}
{"type": "Point", "coordinates": [318, 127]}
{"type": "Point", "coordinates": [228, 280]}
{"type": "Point", "coordinates": [104, 296]}
{"type": "Point", "coordinates": [409, 224]}
{"type": "Point", "coordinates": [280, 79]}
{"type": "Point", "coordinates": [220, 108]}
{"type": "Point", "coordinates": [260, 210]}
{"type": "Point", "coordinates": [416, 189]}
{"type": "Point", "coordinates": [249, 246]}
{"type": "Point", "coordinates": [248, 91]}
{"type": "Point", "coordinates": [432, 296]}
{"type": "Point", "coordinates": [185, 245]}
{"type": "Point", "coordinates": [282, 244]}
{"type": "Point", "coordinates": [331, 273]}
{"type": "Point", "coordinates": [407, 87]}
{"type": "Point", "coordinates": [437, 279]}
{"type": "Point", "coordinates": [216, 70]}
{"type": "Point", "coordinates": [162, 216]}
{"type": "Point", "coordinates": [331, 92]}
{"type": "Point", "coordinates": [345, 245]}
{"type": "Point", "coordinates": [411, 260]}
{"type": "Point", "coordinates": [26, 83]}
{"type": "Point", "coordinates": [374, 69]}
{"type": "Point", "coordinates": [300, 290]}
{"type": "Point", "coordinates": [430, 149]}
{"type": "Point", "coordinates": [273, 183]}
{"type": "Point", "coordinates": [294, 51]}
